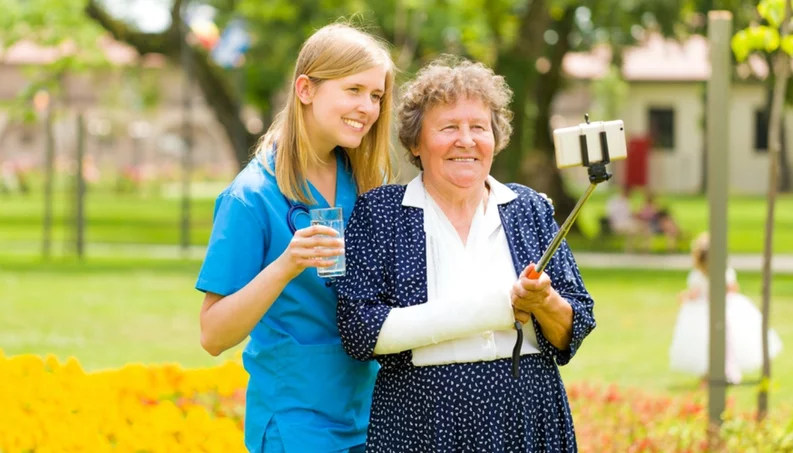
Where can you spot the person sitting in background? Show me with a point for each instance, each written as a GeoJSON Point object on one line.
{"type": "Point", "coordinates": [622, 221]}
{"type": "Point", "coordinates": [648, 213]}
{"type": "Point", "coordinates": [669, 228]}
{"type": "Point", "coordinates": [659, 221]}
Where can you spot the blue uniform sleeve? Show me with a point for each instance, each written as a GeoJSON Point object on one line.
{"type": "Point", "coordinates": [236, 249]}
{"type": "Point", "coordinates": [566, 280]}
{"type": "Point", "coordinates": [362, 292]}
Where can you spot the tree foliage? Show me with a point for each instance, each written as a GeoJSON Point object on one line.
{"type": "Point", "coordinates": [524, 40]}
{"type": "Point", "coordinates": [763, 38]}
{"type": "Point", "coordinates": [773, 40]}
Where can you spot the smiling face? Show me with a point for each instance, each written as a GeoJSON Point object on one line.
{"type": "Point", "coordinates": [340, 112]}
{"type": "Point", "coordinates": [456, 146]}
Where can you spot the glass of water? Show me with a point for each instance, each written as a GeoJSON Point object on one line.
{"type": "Point", "coordinates": [330, 217]}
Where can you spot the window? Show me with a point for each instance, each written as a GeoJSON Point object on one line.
{"type": "Point", "coordinates": [760, 131]}
{"type": "Point", "coordinates": [662, 128]}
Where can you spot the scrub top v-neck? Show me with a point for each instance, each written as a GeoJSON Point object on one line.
{"type": "Point", "coordinates": [301, 380]}
{"type": "Point", "coordinates": [321, 201]}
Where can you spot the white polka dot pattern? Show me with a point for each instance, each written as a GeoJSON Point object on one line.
{"type": "Point", "coordinates": [465, 406]}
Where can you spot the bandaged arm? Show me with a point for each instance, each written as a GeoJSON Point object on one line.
{"type": "Point", "coordinates": [440, 320]}
{"type": "Point", "coordinates": [369, 316]}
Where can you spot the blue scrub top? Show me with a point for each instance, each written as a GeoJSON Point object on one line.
{"type": "Point", "coordinates": [300, 377]}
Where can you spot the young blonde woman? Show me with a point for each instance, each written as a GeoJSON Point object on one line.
{"type": "Point", "coordinates": [328, 144]}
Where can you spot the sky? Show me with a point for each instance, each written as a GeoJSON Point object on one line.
{"type": "Point", "coordinates": [148, 15]}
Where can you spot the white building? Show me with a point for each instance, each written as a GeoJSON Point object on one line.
{"type": "Point", "coordinates": [666, 86]}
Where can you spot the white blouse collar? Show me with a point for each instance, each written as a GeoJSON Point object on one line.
{"type": "Point", "coordinates": [415, 193]}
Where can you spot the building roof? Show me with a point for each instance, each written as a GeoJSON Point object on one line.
{"type": "Point", "coordinates": [658, 59]}
{"type": "Point", "coordinates": [26, 52]}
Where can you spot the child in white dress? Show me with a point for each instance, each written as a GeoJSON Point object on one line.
{"type": "Point", "coordinates": [690, 342]}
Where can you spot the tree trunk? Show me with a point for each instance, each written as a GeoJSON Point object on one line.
{"type": "Point", "coordinates": [5, 126]}
{"type": "Point", "coordinates": [784, 165]}
{"type": "Point", "coordinates": [781, 70]}
{"type": "Point", "coordinates": [407, 24]}
{"type": "Point", "coordinates": [216, 87]}
{"type": "Point", "coordinates": [529, 158]}
{"type": "Point", "coordinates": [548, 86]}
{"type": "Point", "coordinates": [784, 161]}
{"type": "Point", "coordinates": [517, 66]}
{"type": "Point", "coordinates": [703, 187]}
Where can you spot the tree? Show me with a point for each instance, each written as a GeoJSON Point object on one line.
{"type": "Point", "coordinates": [58, 26]}
{"type": "Point", "coordinates": [279, 27]}
{"type": "Point", "coordinates": [785, 181]}
{"type": "Point", "coordinates": [509, 35]}
{"type": "Point", "coordinates": [532, 64]}
{"type": "Point", "coordinates": [525, 40]}
{"type": "Point", "coordinates": [773, 38]}
{"type": "Point", "coordinates": [578, 26]}
{"type": "Point", "coordinates": [216, 87]}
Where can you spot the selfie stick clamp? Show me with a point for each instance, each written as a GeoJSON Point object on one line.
{"type": "Point", "coordinates": [597, 174]}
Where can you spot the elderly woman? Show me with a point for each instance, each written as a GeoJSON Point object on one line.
{"type": "Point", "coordinates": [437, 275]}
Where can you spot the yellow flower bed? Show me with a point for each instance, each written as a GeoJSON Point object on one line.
{"type": "Point", "coordinates": [49, 406]}
{"type": "Point", "coordinates": [52, 406]}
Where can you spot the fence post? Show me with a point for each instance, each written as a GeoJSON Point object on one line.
{"type": "Point", "coordinates": [49, 175]}
{"type": "Point", "coordinates": [187, 132]}
{"type": "Point", "coordinates": [718, 150]}
{"type": "Point", "coordinates": [79, 213]}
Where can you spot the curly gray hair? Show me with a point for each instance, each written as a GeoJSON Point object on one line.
{"type": "Point", "coordinates": [444, 81]}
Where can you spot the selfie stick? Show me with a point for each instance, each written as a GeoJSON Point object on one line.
{"type": "Point", "coordinates": [597, 174]}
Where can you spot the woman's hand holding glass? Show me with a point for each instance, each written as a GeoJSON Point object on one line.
{"type": "Point", "coordinates": [528, 294]}
{"type": "Point", "coordinates": [315, 246]}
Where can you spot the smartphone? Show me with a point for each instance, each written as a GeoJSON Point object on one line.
{"type": "Point", "coordinates": [590, 143]}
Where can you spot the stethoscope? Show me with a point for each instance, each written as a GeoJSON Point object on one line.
{"type": "Point", "coordinates": [298, 209]}
{"type": "Point", "coordinates": [295, 211]}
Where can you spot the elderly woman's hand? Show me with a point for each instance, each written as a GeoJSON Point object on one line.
{"type": "Point", "coordinates": [529, 294]}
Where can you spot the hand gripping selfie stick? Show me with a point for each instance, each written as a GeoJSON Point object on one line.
{"type": "Point", "coordinates": [592, 145]}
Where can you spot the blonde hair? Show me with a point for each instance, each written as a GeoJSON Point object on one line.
{"type": "Point", "coordinates": [699, 252]}
{"type": "Point", "coordinates": [334, 51]}
{"type": "Point", "coordinates": [444, 81]}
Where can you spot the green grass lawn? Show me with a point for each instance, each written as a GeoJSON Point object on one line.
{"type": "Point", "coordinates": [155, 219]}
{"type": "Point", "coordinates": [636, 311]}
{"type": "Point", "coordinates": [110, 312]}
{"type": "Point", "coordinates": [746, 222]}
{"type": "Point", "coordinates": [105, 313]}
{"type": "Point", "coordinates": [110, 218]}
